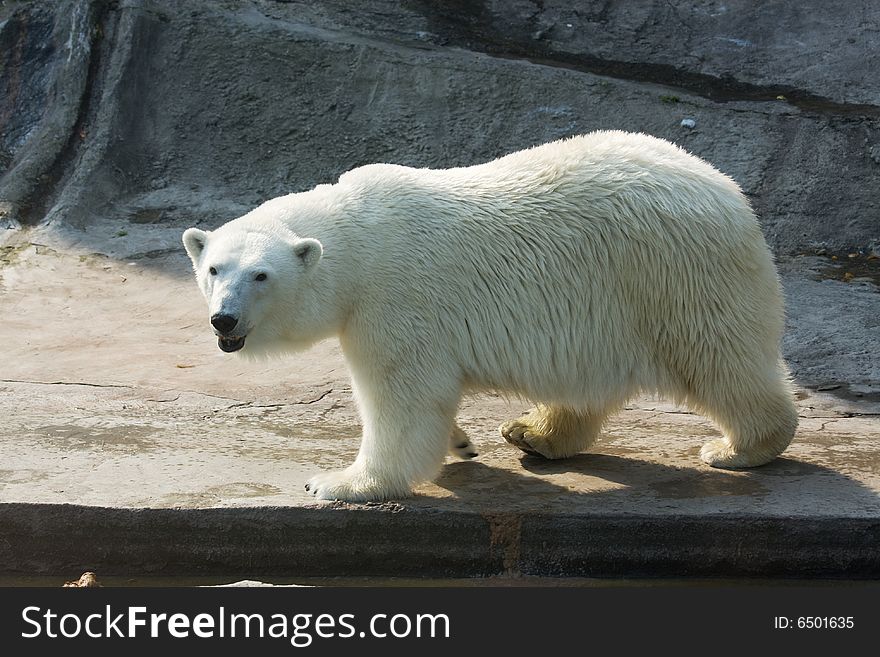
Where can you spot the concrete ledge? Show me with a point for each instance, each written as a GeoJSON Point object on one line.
{"type": "Point", "coordinates": [387, 541]}
{"type": "Point", "coordinates": [714, 546]}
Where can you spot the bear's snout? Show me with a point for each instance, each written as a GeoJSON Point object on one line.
{"type": "Point", "coordinates": [224, 323]}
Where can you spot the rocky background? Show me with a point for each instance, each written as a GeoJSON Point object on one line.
{"type": "Point", "coordinates": [154, 111]}
{"type": "Point", "coordinates": [123, 122]}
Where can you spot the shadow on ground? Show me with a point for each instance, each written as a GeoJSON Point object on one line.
{"type": "Point", "coordinates": [477, 485]}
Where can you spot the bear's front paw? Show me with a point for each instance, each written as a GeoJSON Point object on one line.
{"type": "Point", "coordinates": [353, 485]}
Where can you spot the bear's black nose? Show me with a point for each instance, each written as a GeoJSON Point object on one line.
{"type": "Point", "coordinates": [224, 323]}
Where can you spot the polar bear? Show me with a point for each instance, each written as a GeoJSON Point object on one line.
{"type": "Point", "coordinates": [576, 274]}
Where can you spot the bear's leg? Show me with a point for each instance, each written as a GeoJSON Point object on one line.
{"type": "Point", "coordinates": [554, 432]}
{"type": "Point", "coordinates": [405, 440]}
{"type": "Point", "coordinates": [460, 445]}
{"type": "Point", "coordinates": [758, 421]}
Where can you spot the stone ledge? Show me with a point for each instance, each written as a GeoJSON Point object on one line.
{"type": "Point", "coordinates": [387, 541]}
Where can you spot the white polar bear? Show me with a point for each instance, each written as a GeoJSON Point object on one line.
{"type": "Point", "coordinates": [577, 274]}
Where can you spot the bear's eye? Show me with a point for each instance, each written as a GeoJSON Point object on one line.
{"type": "Point", "coordinates": [260, 277]}
{"type": "Point", "coordinates": [212, 271]}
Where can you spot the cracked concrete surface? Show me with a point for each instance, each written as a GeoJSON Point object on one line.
{"type": "Point", "coordinates": [130, 444]}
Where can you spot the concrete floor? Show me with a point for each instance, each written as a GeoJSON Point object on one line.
{"type": "Point", "coordinates": [130, 444]}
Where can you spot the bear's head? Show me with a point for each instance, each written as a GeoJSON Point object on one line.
{"type": "Point", "coordinates": [252, 278]}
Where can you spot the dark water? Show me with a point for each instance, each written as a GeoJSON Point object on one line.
{"type": "Point", "coordinates": [158, 581]}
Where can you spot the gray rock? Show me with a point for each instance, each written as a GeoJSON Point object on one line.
{"type": "Point", "coordinates": [216, 108]}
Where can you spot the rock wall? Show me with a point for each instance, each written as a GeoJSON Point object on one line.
{"type": "Point", "coordinates": [163, 111]}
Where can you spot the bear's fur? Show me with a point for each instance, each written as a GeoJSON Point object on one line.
{"type": "Point", "coordinates": [576, 274]}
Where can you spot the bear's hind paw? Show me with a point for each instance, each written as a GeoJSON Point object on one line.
{"type": "Point", "coordinates": [719, 454]}
{"type": "Point", "coordinates": [521, 435]}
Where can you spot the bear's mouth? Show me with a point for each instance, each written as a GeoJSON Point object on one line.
{"type": "Point", "coordinates": [230, 344]}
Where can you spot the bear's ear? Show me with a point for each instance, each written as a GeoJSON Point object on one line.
{"type": "Point", "coordinates": [309, 251]}
{"type": "Point", "coordinates": [194, 241]}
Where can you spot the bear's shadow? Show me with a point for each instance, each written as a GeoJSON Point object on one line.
{"type": "Point", "coordinates": [806, 486]}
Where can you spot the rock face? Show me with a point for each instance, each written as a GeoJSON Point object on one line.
{"type": "Point", "coordinates": [157, 112]}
